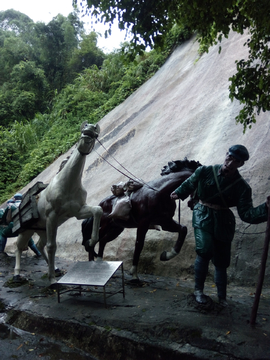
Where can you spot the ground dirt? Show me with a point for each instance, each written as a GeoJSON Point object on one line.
{"type": "Point", "coordinates": [157, 319]}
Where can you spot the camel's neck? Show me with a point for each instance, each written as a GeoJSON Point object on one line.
{"type": "Point", "coordinates": [71, 174]}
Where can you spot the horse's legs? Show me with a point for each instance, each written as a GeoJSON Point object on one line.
{"type": "Point", "coordinates": [168, 255]}
{"type": "Point", "coordinates": [109, 236]}
{"type": "Point", "coordinates": [181, 238]}
{"type": "Point", "coordinates": [91, 253]}
{"type": "Point", "coordinates": [182, 233]}
{"type": "Point", "coordinates": [141, 232]}
{"type": "Point", "coordinates": [22, 242]}
{"type": "Point", "coordinates": [108, 231]}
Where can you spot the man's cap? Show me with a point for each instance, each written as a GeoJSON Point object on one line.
{"type": "Point", "coordinates": [18, 196]}
{"type": "Point", "coordinates": [10, 201]}
{"type": "Point", "coordinates": [239, 152]}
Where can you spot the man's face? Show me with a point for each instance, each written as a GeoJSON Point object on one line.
{"type": "Point", "coordinates": [230, 165]}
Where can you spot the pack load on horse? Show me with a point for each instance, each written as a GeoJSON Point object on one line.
{"type": "Point", "coordinates": [122, 206]}
{"type": "Point", "coordinates": [64, 197]}
{"type": "Point", "coordinates": [150, 207]}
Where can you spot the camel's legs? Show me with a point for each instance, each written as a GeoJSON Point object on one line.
{"type": "Point", "coordinates": [51, 229]}
{"type": "Point", "coordinates": [41, 245]}
{"type": "Point", "coordinates": [22, 242]}
{"type": "Point", "coordinates": [97, 213]}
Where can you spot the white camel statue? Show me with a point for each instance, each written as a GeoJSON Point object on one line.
{"type": "Point", "coordinates": [62, 199]}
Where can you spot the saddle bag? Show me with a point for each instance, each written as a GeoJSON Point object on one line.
{"type": "Point", "coordinates": [121, 208]}
{"type": "Point", "coordinates": [27, 214]}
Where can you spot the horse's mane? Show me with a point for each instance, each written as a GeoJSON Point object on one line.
{"type": "Point", "coordinates": [180, 165]}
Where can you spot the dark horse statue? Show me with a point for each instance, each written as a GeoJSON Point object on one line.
{"type": "Point", "coordinates": [151, 206]}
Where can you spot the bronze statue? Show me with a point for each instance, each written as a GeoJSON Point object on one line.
{"type": "Point", "coordinates": [151, 206]}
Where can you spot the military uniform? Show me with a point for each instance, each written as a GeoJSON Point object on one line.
{"type": "Point", "coordinates": [214, 222]}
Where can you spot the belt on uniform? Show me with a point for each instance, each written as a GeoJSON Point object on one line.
{"type": "Point", "coordinates": [213, 206]}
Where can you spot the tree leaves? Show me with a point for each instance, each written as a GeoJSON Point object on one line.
{"type": "Point", "coordinates": [36, 143]}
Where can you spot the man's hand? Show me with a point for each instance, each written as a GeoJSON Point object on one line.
{"type": "Point", "coordinates": [174, 196]}
{"type": "Point", "coordinates": [268, 201]}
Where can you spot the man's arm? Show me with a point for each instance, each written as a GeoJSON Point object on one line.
{"type": "Point", "coordinates": [250, 214]}
{"type": "Point", "coordinates": [188, 186]}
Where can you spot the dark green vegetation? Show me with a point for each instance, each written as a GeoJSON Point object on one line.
{"type": "Point", "coordinates": [52, 78]}
{"type": "Point", "coordinates": [150, 20]}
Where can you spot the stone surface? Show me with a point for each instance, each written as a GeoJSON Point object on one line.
{"type": "Point", "coordinates": [182, 111]}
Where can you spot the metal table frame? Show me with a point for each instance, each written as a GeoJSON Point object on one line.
{"type": "Point", "coordinates": [91, 274]}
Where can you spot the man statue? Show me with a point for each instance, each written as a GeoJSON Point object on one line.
{"type": "Point", "coordinates": [218, 188]}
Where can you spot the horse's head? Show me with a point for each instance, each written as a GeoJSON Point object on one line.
{"type": "Point", "coordinates": [89, 134]}
{"type": "Point", "coordinates": [180, 165]}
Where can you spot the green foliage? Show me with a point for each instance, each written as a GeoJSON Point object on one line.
{"type": "Point", "coordinates": [86, 55]}
{"type": "Point", "coordinates": [56, 142]}
{"type": "Point", "coordinates": [251, 84]}
{"type": "Point", "coordinates": [177, 35]}
{"type": "Point", "coordinates": [60, 48]}
{"type": "Point", "coordinates": [127, 80]}
{"type": "Point", "coordinates": [12, 52]}
{"type": "Point", "coordinates": [150, 21]}
{"type": "Point", "coordinates": [24, 94]}
{"type": "Point", "coordinates": [54, 81]}
{"type": "Point", "coordinates": [93, 94]}
{"type": "Point", "coordinates": [57, 42]}
{"type": "Point", "coordinates": [10, 159]}
{"type": "Point", "coordinates": [23, 136]}
{"type": "Point", "coordinates": [13, 20]}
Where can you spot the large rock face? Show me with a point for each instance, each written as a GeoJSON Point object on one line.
{"type": "Point", "coordinates": [182, 111]}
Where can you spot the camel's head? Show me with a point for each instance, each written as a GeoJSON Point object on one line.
{"type": "Point", "coordinates": [90, 130]}
{"type": "Point", "coordinates": [89, 134]}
